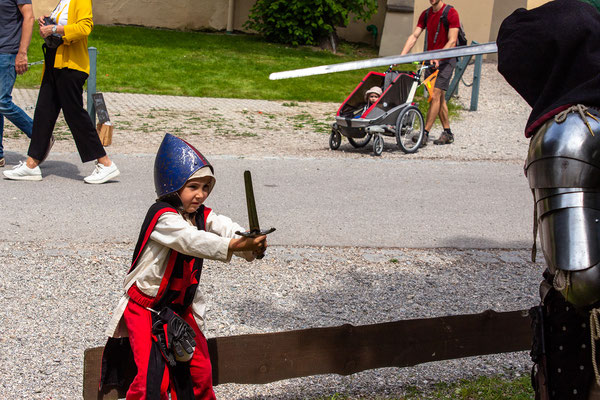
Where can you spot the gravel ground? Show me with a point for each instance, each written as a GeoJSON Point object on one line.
{"type": "Point", "coordinates": [292, 288]}
{"type": "Point", "coordinates": [55, 298]}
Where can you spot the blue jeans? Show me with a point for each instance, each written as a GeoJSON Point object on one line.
{"type": "Point", "coordinates": [9, 109]}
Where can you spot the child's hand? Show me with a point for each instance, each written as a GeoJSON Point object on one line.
{"type": "Point", "coordinates": [255, 245]}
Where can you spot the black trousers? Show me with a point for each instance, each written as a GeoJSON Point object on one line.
{"type": "Point", "coordinates": [63, 89]}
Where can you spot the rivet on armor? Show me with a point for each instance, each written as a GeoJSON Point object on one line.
{"type": "Point", "coordinates": [567, 308]}
{"type": "Point", "coordinates": [559, 370]}
{"type": "Point", "coordinates": [564, 328]}
{"type": "Point", "coordinates": [560, 348]}
{"type": "Point", "coordinates": [574, 391]}
{"type": "Point", "coordinates": [581, 367]}
{"type": "Point", "coordinates": [583, 325]}
{"type": "Point", "coordinates": [583, 346]}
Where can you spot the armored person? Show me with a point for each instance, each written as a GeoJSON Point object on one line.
{"type": "Point", "coordinates": [551, 56]}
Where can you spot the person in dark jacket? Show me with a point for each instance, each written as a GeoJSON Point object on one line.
{"type": "Point", "coordinates": [551, 56]}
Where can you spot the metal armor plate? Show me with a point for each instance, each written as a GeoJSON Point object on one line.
{"type": "Point", "coordinates": [563, 169]}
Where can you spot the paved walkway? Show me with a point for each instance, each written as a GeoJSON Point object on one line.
{"type": "Point", "coordinates": [120, 102]}
{"type": "Point", "coordinates": [415, 200]}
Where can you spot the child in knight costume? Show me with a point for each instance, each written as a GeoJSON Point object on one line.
{"type": "Point", "coordinates": [551, 56]}
{"type": "Point", "coordinates": [157, 321]}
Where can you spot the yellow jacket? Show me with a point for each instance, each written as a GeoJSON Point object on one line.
{"type": "Point", "coordinates": [73, 53]}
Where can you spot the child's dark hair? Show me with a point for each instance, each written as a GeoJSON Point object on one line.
{"type": "Point", "coordinates": [172, 199]}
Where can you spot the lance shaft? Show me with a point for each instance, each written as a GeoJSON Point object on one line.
{"type": "Point", "coordinates": [484, 48]}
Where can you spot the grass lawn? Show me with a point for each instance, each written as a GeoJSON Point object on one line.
{"type": "Point", "coordinates": [482, 388]}
{"type": "Point", "coordinates": [153, 61]}
{"type": "Point", "coordinates": [142, 60]}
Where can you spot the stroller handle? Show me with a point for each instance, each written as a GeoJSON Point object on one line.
{"type": "Point", "coordinates": [425, 66]}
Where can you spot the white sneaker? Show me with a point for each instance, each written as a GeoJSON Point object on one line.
{"type": "Point", "coordinates": [22, 172]}
{"type": "Point", "coordinates": [102, 174]}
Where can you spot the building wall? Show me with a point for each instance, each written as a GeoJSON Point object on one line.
{"type": "Point", "coordinates": [395, 19]}
{"type": "Point", "coordinates": [503, 9]}
{"type": "Point", "coordinates": [357, 30]}
{"type": "Point", "coordinates": [481, 20]}
{"type": "Point", "coordinates": [397, 26]}
{"type": "Point", "coordinates": [476, 17]}
{"type": "Point", "coordinates": [181, 14]}
{"type": "Point", "coordinates": [535, 3]}
{"type": "Point", "coordinates": [197, 15]}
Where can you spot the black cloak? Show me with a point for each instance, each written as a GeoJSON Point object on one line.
{"type": "Point", "coordinates": [551, 56]}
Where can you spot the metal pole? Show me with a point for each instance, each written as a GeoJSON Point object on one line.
{"type": "Point", "coordinates": [458, 73]}
{"type": "Point", "coordinates": [230, 14]}
{"type": "Point", "coordinates": [476, 79]}
{"type": "Point", "coordinates": [91, 84]}
{"type": "Point", "coordinates": [485, 48]}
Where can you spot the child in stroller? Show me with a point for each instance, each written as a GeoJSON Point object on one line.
{"type": "Point", "coordinates": [392, 114]}
{"type": "Point", "coordinates": [371, 97]}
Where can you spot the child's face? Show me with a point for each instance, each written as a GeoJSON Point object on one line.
{"type": "Point", "coordinates": [373, 97]}
{"type": "Point", "coordinates": [194, 192]}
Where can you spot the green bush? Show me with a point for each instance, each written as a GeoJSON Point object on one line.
{"type": "Point", "coordinates": [305, 22]}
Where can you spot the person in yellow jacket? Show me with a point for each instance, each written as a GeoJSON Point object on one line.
{"type": "Point", "coordinates": [66, 68]}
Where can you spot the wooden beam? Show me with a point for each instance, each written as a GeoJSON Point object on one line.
{"type": "Point", "coordinates": [348, 349]}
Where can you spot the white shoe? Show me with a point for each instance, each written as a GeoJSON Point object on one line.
{"type": "Point", "coordinates": [22, 172]}
{"type": "Point", "coordinates": [102, 174]}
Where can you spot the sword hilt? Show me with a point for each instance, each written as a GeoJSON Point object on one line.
{"type": "Point", "coordinates": [255, 233]}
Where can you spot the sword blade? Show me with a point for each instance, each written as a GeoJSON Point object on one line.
{"type": "Point", "coordinates": [251, 204]}
{"type": "Point", "coordinates": [484, 48]}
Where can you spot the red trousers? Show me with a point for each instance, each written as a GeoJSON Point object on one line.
{"type": "Point", "coordinates": [139, 324]}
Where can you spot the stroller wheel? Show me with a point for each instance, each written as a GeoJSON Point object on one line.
{"type": "Point", "coordinates": [377, 145]}
{"type": "Point", "coordinates": [360, 143]}
{"type": "Point", "coordinates": [335, 140]}
{"type": "Point", "coordinates": [410, 129]}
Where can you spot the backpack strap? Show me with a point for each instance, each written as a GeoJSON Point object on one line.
{"type": "Point", "coordinates": [444, 18]}
{"type": "Point", "coordinates": [425, 22]}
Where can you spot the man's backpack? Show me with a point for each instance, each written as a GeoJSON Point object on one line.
{"type": "Point", "coordinates": [462, 38]}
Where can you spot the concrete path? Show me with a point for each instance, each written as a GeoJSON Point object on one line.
{"type": "Point", "coordinates": [337, 201]}
{"type": "Point", "coordinates": [123, 102]}
{"type": "Point", "coordinates": [329, 202]}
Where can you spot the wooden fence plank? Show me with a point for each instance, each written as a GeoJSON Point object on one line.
{"type": "Point", "coordinates": [347, 349]}
{"type": "Point", "coordinates": [92, 367]}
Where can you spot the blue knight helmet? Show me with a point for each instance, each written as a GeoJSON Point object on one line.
{"type": "Point", "coordinates": [176, 161]}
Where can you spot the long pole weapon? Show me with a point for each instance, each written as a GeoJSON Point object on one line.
{"type": "Point", "coordinates": [476, 49]}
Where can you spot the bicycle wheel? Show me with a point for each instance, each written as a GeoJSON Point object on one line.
{"type": "Point", "coordinates": [358, 143]}
{"type": "Point", "coordinates": [335, 140]}
{"type": "Point", "coordinates": [377, 145]}
{"type": "Point", "coordinates": [410, 129]}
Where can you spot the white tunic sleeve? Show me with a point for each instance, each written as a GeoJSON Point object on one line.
{"type": "Point", "coordinates": [174, 232]}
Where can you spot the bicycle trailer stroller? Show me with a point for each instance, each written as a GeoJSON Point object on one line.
{"type": "Point", "coordinates": [393, 114]}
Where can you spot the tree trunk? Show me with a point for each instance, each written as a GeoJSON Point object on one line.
{"type": "Point", "coordinates": [330, 42]}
